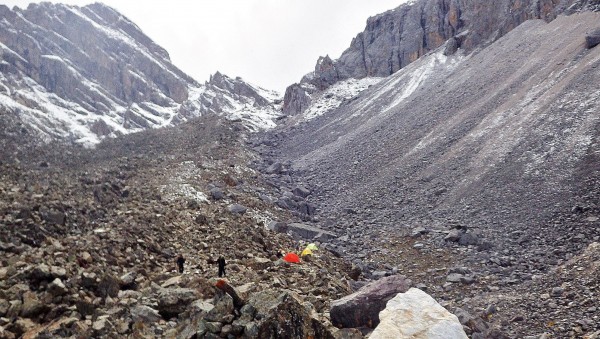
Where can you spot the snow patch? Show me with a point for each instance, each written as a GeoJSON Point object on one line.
{"type": "Point", "coordinates": [181, 184]}
{"type": "Point", "coordinates": [335, 95]}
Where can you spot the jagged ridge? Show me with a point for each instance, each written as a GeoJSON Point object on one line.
{"type": "Point", "coordinates": [84, 73]}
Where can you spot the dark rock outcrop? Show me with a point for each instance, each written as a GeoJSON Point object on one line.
{"type": "Point", "coordinates": [296, 99]}
{"type": "Point", "coordinates": [361, 309]}
{"type": "Point", "coordinates": [592, 39]}
{"type": "Point", "coordinates": [284, 314]}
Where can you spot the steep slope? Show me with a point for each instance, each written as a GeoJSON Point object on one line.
{"type": "Point", "coordinates": [82, 74]}
{"type": "Point", "coordinates": [448, 126]}
{"type": "Point", "coordinates": [502, 143]}
{"type": "Point", "coordinates": [398, 37]}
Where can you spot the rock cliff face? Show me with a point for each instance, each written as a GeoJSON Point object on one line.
{"type": "Point", "coordinates": [398, 37]}
{"type": "Point", "coordinates": [83, 73]}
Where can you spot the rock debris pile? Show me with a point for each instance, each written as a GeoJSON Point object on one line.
{"type": "Point", "coordinates": [89, 240]}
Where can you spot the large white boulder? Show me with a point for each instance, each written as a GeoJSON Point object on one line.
{"type": "Point", "coordinates": [416, 315]}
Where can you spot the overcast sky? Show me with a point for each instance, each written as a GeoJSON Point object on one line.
{"type": "Point", "coordinates": [271, 43]}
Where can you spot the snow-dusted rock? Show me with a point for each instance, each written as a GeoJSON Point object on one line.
{"type": "Point", "coordinates": [417, 315]}
{"type": "Point", "coordinates": [82, 74]}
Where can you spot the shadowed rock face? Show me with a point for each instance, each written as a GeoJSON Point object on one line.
{"type": "Point", "coordinates": [398, 37]}
{"type": "Point", "coordinates": [83, 73]}
{"type": "Point", "coordinates": [96, 41]}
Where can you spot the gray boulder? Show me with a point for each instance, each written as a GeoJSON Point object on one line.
{"type": "Point", "coordinates": [468, 238]}
{"type": "Point", "coordinates": [301, 191]}
{"type": "Point", "coordinates": [57, 288]}
{"type": "Point", "coordinates": [32, 306]}
{"type": "Point", "coordinates": [4, 306]}
{"type": "Point", "coordinates": [284, 313]}
{"type": "Point", "coordinates": [237, 209]}
{"type": "Point", "coordinates": [145, 314]}
{"type": "Point", "coordinates": [40, 273]}
{"type": "Point", "coordinates": [52, 216]}
{"type": "Point", "coordinates": [276, 226]}
{"type": "Point", "coordinates": [592, 39]}
{"type": "Point", "coordinates": [173, 301]}
{"type": "Point", "coordinates": [127, 280]}
{"type": "Point", "coordinates": [223, 307]}
{"type": "Point", "coordinates": [419, 231]}
{"type": "Point", "coordinates": [217, 193]}
{"type": "Point", "coordinates": [275, 168]}
{"type": "Point", "coordinates": [310, 232]}
{"type": "Point", "coordinates": [361, 309]}
{"type": "Point", "coordinates": [109, 286]}
{"type": "Point", "coordinates": [306, 208]}
{"type": "Point", "coordinates": [451, 46]}
{"type": "Point", "coordinates": [453, 236]}
{"type": "Point", "coordinates": [102, 326]}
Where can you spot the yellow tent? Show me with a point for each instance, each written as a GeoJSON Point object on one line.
{"type": "Point", "coordinates": [306, 251]}
{"type": "Point", "coordinates": [312, 247]}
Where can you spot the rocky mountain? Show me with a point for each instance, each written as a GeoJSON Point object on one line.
{"type": "Point", "coordinates": [470, 173]}
{"type": "Point", "coordinates": [85, 73]}
{"type": "Point", "coordinates": [398, 37]}
{"type": "Point", "coordinates": [485, 160]}
{"type": "Point", "coordinates": [236, 99]}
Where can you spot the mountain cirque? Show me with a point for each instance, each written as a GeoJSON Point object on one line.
{"type": "Point", "coordinates": [470, 166]}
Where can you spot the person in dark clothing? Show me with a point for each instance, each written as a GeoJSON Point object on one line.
{"type": "Point", "coordinates": [180, 262]}
{"type": "Point", "coordinates": [221, 263]}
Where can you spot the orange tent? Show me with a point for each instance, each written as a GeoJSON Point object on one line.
{"type": "Point", "coordinates": [292, 257]}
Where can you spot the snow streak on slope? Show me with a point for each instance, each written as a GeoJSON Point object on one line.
{"type": "Point", "coordinates": [405, 82]}
{"type": "Point", "coordinates": [335, 95]}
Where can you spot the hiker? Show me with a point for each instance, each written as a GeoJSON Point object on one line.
{"type": "Point", "coordinates": [221, 263]}
{"type": "Point", "coordinates": [180, 261]}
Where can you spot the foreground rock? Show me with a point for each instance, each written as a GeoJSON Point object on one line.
{"type": "Point", "coordinates": [416, 315]}
{"type": "Point", "coordinates": [286, 313]}
{"type": "Point", "coordinates": [361, 309]}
